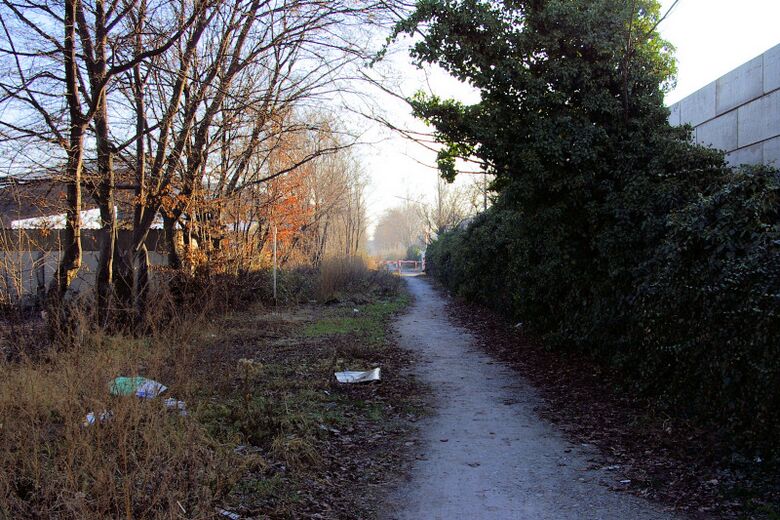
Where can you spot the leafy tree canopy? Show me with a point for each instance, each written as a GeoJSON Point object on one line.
{"type": "Point", "coordinates": [559, 81]}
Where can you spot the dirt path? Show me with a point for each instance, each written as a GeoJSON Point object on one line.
{"type": "Point", "coordinates": [484, 453]}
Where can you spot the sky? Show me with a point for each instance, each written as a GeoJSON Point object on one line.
{"type": "Point", "coordinates": [711, 38]}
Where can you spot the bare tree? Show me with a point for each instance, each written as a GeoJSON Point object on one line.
{"type": "Point", "coordinates": [338, 226]}
{"type": "Point", "coordinates": [185, 104]}
{"type": "Point", "coordinates": [39, 49]}
{"type": "Point", "coordinates": [87, 61]}
{"type": "Point", "coordinates": [354, 215]}
{"type": "Point", "coordinates": [103, 28]}
{"type": "Point", "coordinates": [399, 228]}
{"type": "Point", "coordinates": [451, 205]}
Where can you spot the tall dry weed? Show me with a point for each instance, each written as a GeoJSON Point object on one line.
{"type": "Point", "coordinates": [340, 274]}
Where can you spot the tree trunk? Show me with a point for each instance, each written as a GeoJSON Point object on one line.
{"type": "Point", "coordinates": [141, 284]}
{"type": "Point", "coordinates": [96, 58]}
{"type": "Point", "coordinates": [127, 282]}
{"type": "Point", "coordinates": [108, 233]}
{"type": "Point", "coordinates": [175, 239]}
{"type": "Point", "coordinates": [71, 257]}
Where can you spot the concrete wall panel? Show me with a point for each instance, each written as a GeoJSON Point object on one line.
{"type": "Point", "coordinates": [753, 154]}
{"type": "Point", "coordinates": [772, 69]}
{"type": "Point", "coordinates": [85, 280]}
{"type": "Point", "coordinates": [674, 115]}
{"type": "Point", "coordinates": [24, 273]}
{"type": "Point", "coordinates": [741, 85]}
{"type": "Point", "coordinates": [738, 113]}
{"type": "Point", "coordinates": [720, 132]}
{"type": "Point", "coordinates": [772, 152]}
{"type": "Point", "coordinates": [21, 272]}
{"type": "Point", "coordinates": [699, 106]}
{"type": "Point", "coordinates": [760, 119]}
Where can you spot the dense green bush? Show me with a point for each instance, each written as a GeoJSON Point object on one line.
{"type": "Point", "coordinates": [475, 261]}
{"type": "Point", "coordinates": [709, 306]}
{"type": "Point", "coordinates": [611, 233]}
{"type": "Point", "coordinates": [699, 326]}
{"type": "Point", "coordinates": [413, 252]}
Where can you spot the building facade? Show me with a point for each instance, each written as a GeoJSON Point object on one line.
{"type": "Point", "coordinates": [738, 113]}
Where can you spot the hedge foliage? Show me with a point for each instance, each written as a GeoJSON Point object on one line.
{"type": "Point", "coordinates": [699, 327]}
{"type": "Point", "coordinates": [611, 233]}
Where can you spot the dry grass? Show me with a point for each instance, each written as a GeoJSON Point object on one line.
{"type": "Point", "coordinates": [143, 462]}
{"type": "Point", "coordinates": [258, 389]}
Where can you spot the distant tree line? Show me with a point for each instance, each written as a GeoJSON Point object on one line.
{"type": "Point", "coordinates": [405, 230]}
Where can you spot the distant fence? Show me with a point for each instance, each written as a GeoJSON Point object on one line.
{"type": "Point", "coordinates": [402, 266]}
{"type": "Point", "coordinates": [29, 259]}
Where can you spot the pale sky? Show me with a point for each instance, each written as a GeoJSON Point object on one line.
{"type": "Point", "coordinates": [712, 37]}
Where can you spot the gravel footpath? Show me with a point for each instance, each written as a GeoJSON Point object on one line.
{"type": "Point", "coordinates": [484, 453]}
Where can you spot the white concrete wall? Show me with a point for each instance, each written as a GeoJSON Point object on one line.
{"type": "Point", "coordinates": [22, 273]}
{"type": "Point", "coordinates": [739, 112]}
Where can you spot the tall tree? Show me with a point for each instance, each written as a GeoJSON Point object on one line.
{"type": "Point", "coordinates": [449, 208]}
{"type": "Point", "coordinates": [399, 228]}
{"type": "Point", "coordinates": [41, 52]}
{"type": "Point", "coordinates": [572, 123]}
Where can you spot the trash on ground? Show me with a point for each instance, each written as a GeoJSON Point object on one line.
{"type": "Point", "coordinates": [355, 311]}
{"type": "Point", "coordinates": [329, 429]}
{"type": "Point", "coordinates": [91, 417]}
{"type": "Point", "coordinates": [140, 386]}
{"type": "Point", "coordinates": [173, 404]}
{"type": "Point", "coordinates": [351, 376]}
{"type": "Point", "coordinates": [228, 514]}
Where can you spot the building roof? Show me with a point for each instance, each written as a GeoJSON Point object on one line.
{"type": "Point", "coordinates": [40, 201]}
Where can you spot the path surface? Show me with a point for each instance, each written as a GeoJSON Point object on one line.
{"type": "Point", "coordinates": [484, 453]}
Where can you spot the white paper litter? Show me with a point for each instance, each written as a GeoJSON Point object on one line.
{"type": "Point", "coordinates": [228, 514]}
{"type": "Point", "coordinates": [91, 417]}
{"type": "Point", "coordinates": [351, 376]}
{"type": "Point", "coordinates": [150, 389]}
{"type": "Point", "coordinates": [173, 404]}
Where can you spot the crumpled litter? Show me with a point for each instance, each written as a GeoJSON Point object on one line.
{"type": "Point", "coordinates": [351, 376]}
{"type": "Point", "coordinates": [140, 386]}
{"type": "Point", "coordinates": [103, 417]}
{"type": "Point", "coordinates": [173, 404]}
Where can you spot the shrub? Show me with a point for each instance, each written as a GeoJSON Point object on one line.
{"type": "Point", "coordinates": [709, 308]}
{"type": "Point", "coordinates": [699, 326]}
{"type": "Point", "coordinates": [339, 275]}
